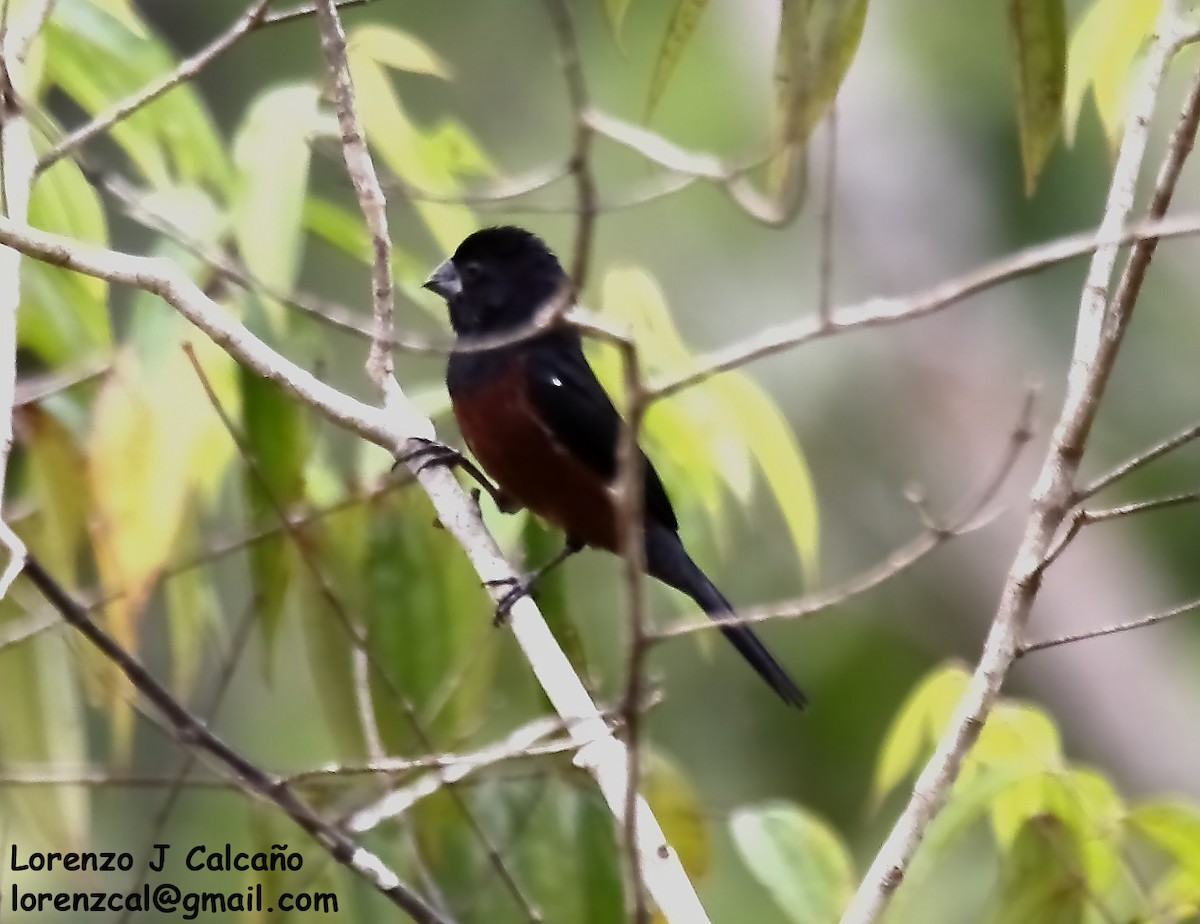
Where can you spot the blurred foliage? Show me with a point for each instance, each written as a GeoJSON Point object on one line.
{"type": "Point", "coordinates": [129, 486]}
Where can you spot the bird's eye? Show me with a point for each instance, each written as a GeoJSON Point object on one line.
{"type": "Point", "coordinates": [471, 272]}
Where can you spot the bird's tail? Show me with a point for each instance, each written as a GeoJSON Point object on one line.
{"type": "Point", "coordinates": [667, 560]}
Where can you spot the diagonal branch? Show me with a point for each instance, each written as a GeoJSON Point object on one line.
{"type": "Point", "coordinates": [249, 777]}
{"type": "Point", "coordinates": [1097, 339]}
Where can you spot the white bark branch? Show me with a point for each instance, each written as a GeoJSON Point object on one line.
{"type": "Point", "coordinates": [600, 754]}
{"type": "Point", "coordinates": [1096, 340]}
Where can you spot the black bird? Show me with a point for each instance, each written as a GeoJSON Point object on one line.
{"type": "Point", "coordinates": [541, 425]}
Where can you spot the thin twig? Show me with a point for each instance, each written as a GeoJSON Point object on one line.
{"type": "Point", "coordinates": [825, 261]}
{"type": "Point", "coordinates": [971, 518]}
{"type": "Point", "coordinates": [579, 165]}
{"type": "Point", "coordinates": [371, 200]}
{"type": "Point", "coordinates": [180, 777]}
{"type": "Point", "coordinates": [1096, 341]}
{"type": "Point", "coordinates": [304, 11]}
{"type": "Point", "coordinates": [187, 69]}
{"type": "Point", "coordinates": [1150, 620]}
{"type": "Point", "coordinates": [248, 776]}
{"type": "Point", "coordinates": [1143, 458]}
{"type": "Point", "coordinates": [880, 312]}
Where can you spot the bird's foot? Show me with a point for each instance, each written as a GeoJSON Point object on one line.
{"type": "Point", "coordinates": [431, 452]}
{"type": "Point", "coordinates": [427, 453]}
{"type": "Point", "coordinates": [518, 587]}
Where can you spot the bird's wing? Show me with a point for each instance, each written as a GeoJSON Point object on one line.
{"type": "Point", "coordinates": [570, 399]}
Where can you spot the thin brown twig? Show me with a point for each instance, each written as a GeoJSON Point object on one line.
{"type": "Point", "coordinates": [1098, 335]}
{"type": "Point", "coordinates": [579, 164]}
{"type": "Point", "coordinates": [879, 312]}
{"type": "Point", "coordinates": [972, 517]}
{"type": "Point", "coordinates": [825, 260]}
{"type": "Point", "coordinates": [187, 69]}
{"type": "Point", "coordinates": [1150, 620]}
{"type": "Point", "coordinates": [179, 778]}
{"type": "Point", "coordinates": [1143, 458]}
{"type": "Point", "coordinates": [1082, 517]}
{"type": "Point", "coordinates": [363, 177]}
{"type": "Point", "coordinates": [249, 777]}
{"type": "Point", "coordinates": [304, 11]}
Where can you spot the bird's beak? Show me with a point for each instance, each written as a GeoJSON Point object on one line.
{"type": "Point", "coordinates": [444, 280]}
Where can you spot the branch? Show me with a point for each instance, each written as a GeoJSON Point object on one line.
{"type": "Point", "coordinates": [186, 70]}
{"type": "Point", "coordinates": [1097, 338]}
{"type": "Point", "coordinates": [17, 159]}
{"type": "Point", "coordinates": [1150, 620]}
{"type": "Point", "coordinates": [248, 776]}
{"type": "Point", "coordinates": [901, 559]}
{"type": "Point", "coordinates": [880, 312]}
{"type": "Point", "coordinates": [1143, 458]}
{"type": "Point", "coordinates": [600, 754]}
{"type": "Point", "coordinates": [366, 187]}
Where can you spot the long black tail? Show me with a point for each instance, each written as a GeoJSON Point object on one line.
{"type": "Point", "coordinates": [668, 560]}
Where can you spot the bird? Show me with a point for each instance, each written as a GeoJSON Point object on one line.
{"type": "Point", "coordinates": [534, 415]}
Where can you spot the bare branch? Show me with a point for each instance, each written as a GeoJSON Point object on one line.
{"type": "Point", "coordinates": [1143, 458]}
{"type": "Point", "coordinates": [1097, 338]}
{"type": "Point", "coordinates": [186, 70]}
{"type": "Point", "coordinates": [579, 164]}
{"type": "Point", "coordinates": [248, 776]}
{"type": "Point", "coordinates": [935, 535]}
{"type": "Point", "coordinates": [366, 186]}
{"type": "Point", "coordinates": [880, 312]}
{"type": "Point", "coordinates": [1180, 610]}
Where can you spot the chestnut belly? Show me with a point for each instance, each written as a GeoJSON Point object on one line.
{"type": "Point", "coordinates": [500, 425]}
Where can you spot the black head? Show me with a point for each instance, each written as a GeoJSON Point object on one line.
{"type": "Point", "coordinates": [497, 280]}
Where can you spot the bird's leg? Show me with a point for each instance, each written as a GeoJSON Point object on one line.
{"type": "Point", "coordinates": [520, 587]}
{"type": "Point", "coordinates": [431, 452]}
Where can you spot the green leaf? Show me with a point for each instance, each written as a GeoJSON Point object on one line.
{"type": "Point", "coordinates": [424, 609]}
{"type": "Point", "coordinates": [1039, 33]}
{"type": "Point", "coordinates": [1043, 880]}
{"type": "Point", "coordinates": [679, 810]}
{"type": "Point", "coordinates": [602, 895]}
{"type": "Point", "coordinates": [339, 227]}
{"type": "Point", "coordinates": [277, 440]}
{"type": "Point", "coordinates": [43, 725]}
{"type": "Point", "coordinates": [1019, 734]}
{"type": "Point", "coordinates": [798, 858]}
{"type": "Point", "coordinates": [615, 10]}
{"type": "Point", "coordinates": [1173, 826]}
{"type": "Point", "coordinates": [57, 474]}
{"type": "Point", "coordinates": [920, 718]}
{"type": "Point", "coordinates": [1082, 801]}
{"type": "Point", "coordinates": [97, 60]}
{"type": "Point", "coordinates": [817, 43]}
{"type": "Point", "coordinates": [684, 19]}
{"type": "Point", "coordinates": [395, 49]}
{"type": "Point", "coordinates": [338, 542]}
{"type": "Point", "coordinates": [193, 613]}
{"type": "Point", "coordinates": [418, 157]}
{"type": "Point", "coordinates": [710, 437]}
{"type": "Point", "coordinates": [64, 315]}
{"type": "Point", "coordinates": [1100, 56]}
{"type": "Point", "coordinates": [271, 152]}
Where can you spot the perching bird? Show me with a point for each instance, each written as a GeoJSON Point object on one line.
{"type": "Point", "coordinates": [539, 422]}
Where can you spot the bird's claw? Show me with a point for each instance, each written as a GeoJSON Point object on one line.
{"type": "Point", "coordinates": [518, 587]}
{"type": "Point", "coordinates": [430, 452]}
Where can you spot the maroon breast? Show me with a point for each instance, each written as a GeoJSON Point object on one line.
{"type": "Point", "coordinates": [500, 426]}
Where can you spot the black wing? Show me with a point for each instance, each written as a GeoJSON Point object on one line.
{"type": "Point", "coordinates": [570, 399]}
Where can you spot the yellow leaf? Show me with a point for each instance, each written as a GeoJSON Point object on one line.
{"type": "Point", "coordinates": [152, 442]}
{"type": "Point", "coordinates": [1100, 56]}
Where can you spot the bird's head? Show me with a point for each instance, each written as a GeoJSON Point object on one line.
{"type": "Point", "coordinates": [497, 280]}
